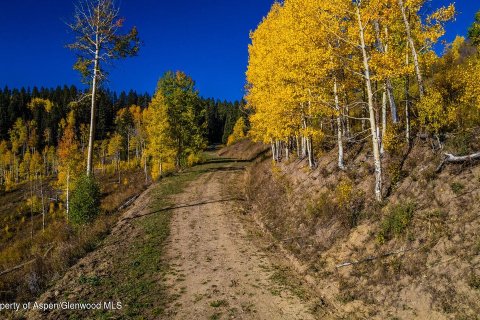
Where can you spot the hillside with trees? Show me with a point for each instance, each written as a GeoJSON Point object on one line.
{"type": "Point", "coordinates": [44, 143]}
{"type": "Point", "coordinates": [374, 140]}
{"type": "Point", "coordinates": [344, 185]}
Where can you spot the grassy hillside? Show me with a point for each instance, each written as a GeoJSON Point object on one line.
{"type": "Point", "coordinates": [44, 256]}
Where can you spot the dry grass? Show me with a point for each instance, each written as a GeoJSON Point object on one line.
{"type": "Point", "coordinates": [64, 244]}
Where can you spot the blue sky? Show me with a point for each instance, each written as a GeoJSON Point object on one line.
{"type": "Point", "coordinates": [205, 38]}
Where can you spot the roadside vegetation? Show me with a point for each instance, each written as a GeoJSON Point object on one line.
{"type": "Point", "coordinates": [70, 159]}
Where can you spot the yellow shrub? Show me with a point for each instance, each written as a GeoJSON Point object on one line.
{"type": "Point", "coordinates": [195, 158]}
{"type": "Point", "coordinates": [394, 139]}
{"type": "Point", "coordinates": [166, 168]}
{"type": "Point", "coordinates": [344, 192]}
{"type": "Point", "coordinates": [239, 132]}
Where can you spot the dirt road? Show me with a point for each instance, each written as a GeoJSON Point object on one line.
{"type": "Point", "coordinates": [216, 271]}
{"type": "Point", "coordinates": [180, 255]}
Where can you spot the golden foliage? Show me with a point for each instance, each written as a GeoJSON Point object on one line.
{"type": "Point", "coordinates": [239, 132]}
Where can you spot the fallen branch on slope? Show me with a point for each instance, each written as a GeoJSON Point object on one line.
{"type": "Point", "coordinates": [25, 263]}
{"type": "Point", "coordinates": [350, 263]}
{"type": "Point", "coordinates": [450, 158]}
{"type": "Point", "coordinates": [129, 201]}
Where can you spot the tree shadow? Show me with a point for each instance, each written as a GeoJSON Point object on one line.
{"type": "Point", "coordinates": [182, 206]}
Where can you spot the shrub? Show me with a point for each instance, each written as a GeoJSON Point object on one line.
{"type": "Point", "coordinates": [350, 203]}
{"type": "Point", "coordinates": [460, 143]}
{"type": "Point", "coordinates": [396, 173]}
{"type": "Point", "coordinates": [195, 158]}
{"type": "Point", "coordinates": [85, 201]}
{"type": "Point", "coordinates": [474, 281]}
{"type": "Point", "coordinates": [457, 187]}
{"type": "Point", "coordinates": [323, 208]}
{"type": "Point", "coordinates": [394, 141]}
{"type": "Point", "coordinates": [396, 222]}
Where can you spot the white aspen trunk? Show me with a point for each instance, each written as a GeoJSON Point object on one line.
{"type": "Point", "coordinates": [311, 162]}
{"type": "Point", "coordinates": [287, 150]}
{"type": "Point", "coordinates": [308, 145]}
{"type": "Point", "coordinates": [43, 205]}
{"type": "Point", "coordinates": [273, 150]}
{"type": "Point", "coordinates": [391, 100]}
{"type": "Point", "coordinates": [376, 151]}
{"type": "Point", "coordinates": [299, 151]}
{"type": "Point", "coordinates": [377, 110]}
{"type": "Point", "coordinates": [279, 150]}
{"type": "Point", "coordinates": [68, 193]}
{"type": "Point", "coordinates": [304, 147]}
{"type": "Point", "coordinates": [412, 47]}
{"type": "Point", "coordinates": [341, 164]}
{"type": "Point", "coordinates": [407, 104]}
{"type": "Point", "coordinates": [91, 136]}
{"type": "Point", "coordinates": [384, 118]}
{"type": "Point", "coordinates": [383, 48]}
{"type": "Point", "coordinates": [128, 147]}
{"type": "Point", "coordinates": [304, 138]}
{"type": "Point", "coordinates": [339, 127]}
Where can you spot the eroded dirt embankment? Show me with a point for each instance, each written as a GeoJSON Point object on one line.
{"type": "Point", "coordinates": [414, 256]}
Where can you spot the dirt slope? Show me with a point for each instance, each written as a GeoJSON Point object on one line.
{"type": "Point", "coordinates": [415, 256]}
{"type": "Point", "coordinates": [85, 281]}
{"type": "Point", "coordinates": [245, 150]}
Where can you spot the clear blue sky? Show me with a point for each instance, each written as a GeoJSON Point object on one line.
{"type": "Point", "coordinates": [207, 39]}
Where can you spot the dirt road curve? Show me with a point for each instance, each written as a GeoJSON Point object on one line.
{"type": "Point", "coordinates": [216, 271]}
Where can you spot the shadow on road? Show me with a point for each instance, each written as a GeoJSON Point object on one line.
{"type": "Point", "coordinates": [181, 206]}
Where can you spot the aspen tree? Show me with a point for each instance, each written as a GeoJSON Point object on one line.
{"type": "Point", "coordinates": [114, 150]}
{"type": "Point", "coordinates": [98, 40]}
{"type": "Point", "coordinates": [427, 34]}
{"type": "Point", "coordinates": [307, 58]}
{"type": "Point", "coordinates": [371, 110]}
{"type": "Point", "coordinates": [69, 158]}
{"type": "Point", "coordinates": [412, 46]}
{"type": "Point", "coordinates": [239, 132]}
{"type": "Point", "coordinates": [160, 146]}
